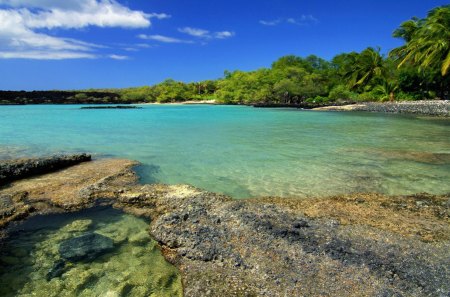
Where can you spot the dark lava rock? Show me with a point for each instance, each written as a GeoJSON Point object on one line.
{"type": "Point", "coordinates": [86, 247]}
{"type": "Point", "coordinates": [57, 270]}
{"type": "Point", "coordinates": [112, 107]}
{"type": "Point", "coordinates": [20, 168]}
{"type": "Point", "coordinates": [6, 206]}
{"type": "Point", "coordinates": [264, 249]}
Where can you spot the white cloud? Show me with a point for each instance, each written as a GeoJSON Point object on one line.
{"type": "Point", "coordinates": [66, 4]}
{"type": "Point", "coordinates": [201, 33]}
{"type": "Point", "coordinates": [118, 57]}
{"type": "Point", "coordinates": [270, 23]}
{"type": "Point", "coordinates": [22, 21]}
{"type": "Point", "coordinates": [145, 45]}
{"type": "Point", "coordinates": [224, 34]}
{"type": "Point", "coordinates": [164, 39]}
{"type": "Point", "coordinates": [303, 20]}
{"type": "Point", "coordinates": [159, 16]}
{"type": "Point", "coordinates": [46, 55]}
{"type": "Point", "coordinates": [101, 14]}
{"type": "Point", "coordinates": [291, 21]}
{"type": "Point", "coordinates": [308, 17]}
{"type": "Point", "coordinates": [194, 32]}
{"type": "Point", "coordinates": [130, 49]}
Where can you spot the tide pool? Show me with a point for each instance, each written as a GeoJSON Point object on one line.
{"type": "Point", "coordinates": [134, 267]}
{"type": "Point", "coordinates": [244, 151]}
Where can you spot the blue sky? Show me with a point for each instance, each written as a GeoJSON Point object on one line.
{"type": "Point", "coordinates": [77, 44]}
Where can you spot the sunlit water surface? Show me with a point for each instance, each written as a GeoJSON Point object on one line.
{"type": "Point", "coordinates": [244, 151]}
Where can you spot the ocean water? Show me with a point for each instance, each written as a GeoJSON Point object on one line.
{"type": "Point", "coordinates": [244, 151]}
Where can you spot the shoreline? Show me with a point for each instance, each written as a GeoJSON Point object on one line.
{"type": "Point", "coordinates": [434, 108]}
{"type": "Point", "coordinates": [190, 102]}
{"type": "Point", "coordinates": [440, 108]}
{"type": "Point", "coordinates": [359, 244]}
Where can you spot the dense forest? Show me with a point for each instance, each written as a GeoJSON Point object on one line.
{"type": "Point", "coordinates": [417, 70]}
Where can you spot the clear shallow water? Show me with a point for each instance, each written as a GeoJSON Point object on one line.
{"type": "Point", "coordinates": [243, 151]}
{"type": "Point", "coordinates": [135, 267]}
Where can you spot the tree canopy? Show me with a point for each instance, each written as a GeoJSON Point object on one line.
{"type": "Point", "coordinates": [417, 70]}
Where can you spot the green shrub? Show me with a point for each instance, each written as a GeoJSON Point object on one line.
{"type": "Point", "coordinates": [81, 96]}
{"type": "Point", "coordinates": [341, 92]}
{"type": "Point", "coordinates": [366, 96]}
{"type": "Point", "coordinates": [318, 99]}
{"type": "Point", "coordinates": [408, 96]}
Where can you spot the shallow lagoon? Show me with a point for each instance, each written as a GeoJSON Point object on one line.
{"type": "Point", "coordinates": [243, 151]}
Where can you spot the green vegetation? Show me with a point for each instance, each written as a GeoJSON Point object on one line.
{"type": "Point", "coordinates": [170, 91]}
{"type": "Point", "coordinates": [60, 97]}
{"type": "Point", "coordinates": [417, 70]}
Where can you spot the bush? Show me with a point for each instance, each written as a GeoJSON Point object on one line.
{"type": "Point", "coordinates": [374, 95]}
{"type": "Point", "coordinates": [408, 96]}
{"type": "Point", "coordinates": [341, 92]}
{"type": "Point", "coordinates": [318, 99]}
{"type": "Point", "coordinates": [81, 96]}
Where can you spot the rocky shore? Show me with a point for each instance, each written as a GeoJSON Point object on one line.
{"type": "Point", "coordinates": [351, 245]}
{"type": "Point", "coordinates": [20, 168]}
{"type": "Point", "coordinates": [70, 189]}
{"type": "Point", "coordinates": [426, 107]}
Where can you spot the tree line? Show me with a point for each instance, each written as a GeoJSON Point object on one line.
{"type": "Point", "coordinates": [417, 70]}
{"type": "Point", "coordinates": [60, 97]}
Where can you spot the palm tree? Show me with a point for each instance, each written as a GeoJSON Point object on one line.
{"type": "Point", "coordinates": [369, 64]}
{"type": "Point", "coordinates": [408, 29]}
{"type": "Point", "coordinates": [428, 41]}
{"type": "Point", "coordinates": [387, 89]}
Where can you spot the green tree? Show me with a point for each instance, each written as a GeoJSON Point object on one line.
{"type": "Point", "coordinates": [385, 90]}
{"type": "Point", "coordinates": [367, 66]}
{"type": "Point", "coordinates": [139, 94]}
{"type": "Point", "coordinates": [427, 41]}
{"type": "Point", "coordinates": [289, 61]}
{"type": "Point", "coordinates": [172, 91]}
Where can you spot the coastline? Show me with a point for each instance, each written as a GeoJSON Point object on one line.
{"type": "Point", "coordinates": [434, 108]}
{"type": "Point", "coordinates": [358, 244]}
{"type": "Point", "coordinates": [439, 108]}
{"type": "Point", "coordinates": [190, 102]}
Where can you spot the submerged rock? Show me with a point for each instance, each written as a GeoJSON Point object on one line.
{"type": "Point", "coordinates": [77, 226]}
{"type": "Point", "coordinates": [133, 268]}
{"type": "Point", "coordinates": [86, 247]}
{"type": "Point", "coordinates": [57, 270]}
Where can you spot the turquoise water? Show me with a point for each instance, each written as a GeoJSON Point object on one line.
{"type": "Point", "coordinates": [243, 151]}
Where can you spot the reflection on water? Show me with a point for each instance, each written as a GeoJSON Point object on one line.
{"type": "Point", "coordinates": [30, 260]}
{"type": "Point", "coordinates": [244, 151]}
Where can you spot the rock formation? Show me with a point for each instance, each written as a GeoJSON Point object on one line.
{"type": "Point", "coordinates": [350, 245]}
